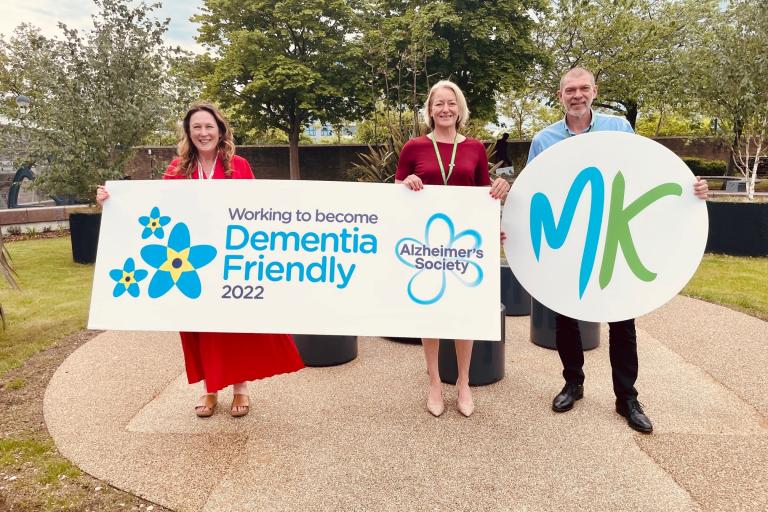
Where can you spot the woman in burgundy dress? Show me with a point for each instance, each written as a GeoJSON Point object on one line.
{"type": "Point", "coordinates": [445, 157]}
{"type": "Point", "coordinates": [207, 151]}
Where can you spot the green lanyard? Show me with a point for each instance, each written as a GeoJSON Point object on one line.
{"type": "Point", "coordinates": [440, 160]}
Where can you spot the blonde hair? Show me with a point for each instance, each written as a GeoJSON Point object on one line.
{"type": "Point", "coordinates": [187, 151]}
{"type": "Point", "coordinates": [460, 100]}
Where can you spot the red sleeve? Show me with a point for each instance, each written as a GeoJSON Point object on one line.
{"type": "Point", "coordinates": [241, 169]}
{"type": "Point", "coordinates": [482, 178]}
{"type": "Point", "coordinates": [406, 163]}
{"type": "Point", "coordinates": [172, 173]}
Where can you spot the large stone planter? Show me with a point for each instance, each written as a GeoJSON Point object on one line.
{"type": "Point", "coordinates": [738, 229]}
{"type": "Point", "coordinates": [317, 350]}
{"type": "Point", "coordinates": [513, 295]}
{"type": "Point", "coordinates": [543, 328]}
{"type": "Point", "coordinates": [84, 233]}
{"type": "Point", "coordinates": [486, 366]}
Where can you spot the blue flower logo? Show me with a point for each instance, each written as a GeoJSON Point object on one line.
{"type": "Point", "coordinates": [127, 279]}
{"type": "Point", "coordinates": [177, 264]}
{"type": "Point", "coordinates": [442, 250]}
{"type": "Point", "coordinates": [153, 224]}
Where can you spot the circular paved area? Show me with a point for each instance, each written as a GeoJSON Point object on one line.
{"type": "Point", "coordinates": [357, 436]}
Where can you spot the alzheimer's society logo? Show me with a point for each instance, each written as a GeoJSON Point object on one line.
{"type": "Point", "coordinates": [442, 251]}
{"type": "Point", "coordinates": [174, 263]}
{"type": "Point", "coordinates": [613, 205]}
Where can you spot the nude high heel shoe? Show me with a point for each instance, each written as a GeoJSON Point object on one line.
{"type": "Point", "coordinates": [435, 408]}
{"type": "Point", "coordinates": [466, 407]}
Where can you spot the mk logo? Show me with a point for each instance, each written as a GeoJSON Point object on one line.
{"type": "Point", "coordinates": [618, 232]}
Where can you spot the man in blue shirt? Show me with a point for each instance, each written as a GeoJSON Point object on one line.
{"type": "Point", "coordinates": [576, 93]}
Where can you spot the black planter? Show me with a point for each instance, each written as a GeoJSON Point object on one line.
{"type": "Point", "coordinates": [486, 366]}
{"type": "Point", "coordinates": [543, 328]}
{"type": "Point", "coordinates": [513, 295]}
{"type": "Point", "coordinates": [738, 229]}
{"type": "Point", "coordinates": [84, 233]}
{"type": "Point", "coordinates": [317, 350]}
{"type": "Point", "coordinates": [408, 341]}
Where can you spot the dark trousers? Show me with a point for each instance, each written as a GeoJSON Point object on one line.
{"type": "Point", "coordinates": [622, 348]}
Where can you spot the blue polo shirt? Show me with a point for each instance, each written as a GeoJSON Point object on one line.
{"type": "Point", "coordinates": [558, 131]}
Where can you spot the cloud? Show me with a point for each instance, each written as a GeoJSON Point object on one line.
{"type": "Point", "coordinates": [45, 14]}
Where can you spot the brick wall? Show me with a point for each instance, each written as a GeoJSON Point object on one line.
{"type": "Point", "coordinates": [330, 162]}
{"type": "Point", "coordinates": [318, 162]}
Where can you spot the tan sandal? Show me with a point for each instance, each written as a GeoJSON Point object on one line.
{"type": "Point", "coordinates": [241, 401]}
{"type": "Point", "coordinates": [206, 406]}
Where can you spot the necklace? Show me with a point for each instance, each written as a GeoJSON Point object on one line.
{"type": "Point", "coordinates": [440, 160]}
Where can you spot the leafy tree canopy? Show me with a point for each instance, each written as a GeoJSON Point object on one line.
{"type": "Point", "coordinates": [94, 94]}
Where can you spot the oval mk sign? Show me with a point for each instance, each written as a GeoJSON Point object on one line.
{"type": "Point", "coordinates": [604, 226]}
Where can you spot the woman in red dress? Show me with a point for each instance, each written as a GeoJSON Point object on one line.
{"type": "Point", "coordinates": [207, 151]}
{"type": "Point", "coordinates": [446, 157]}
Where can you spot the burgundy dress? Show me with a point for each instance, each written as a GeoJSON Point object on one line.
{"type": "Point", "coordinates": [418, 157]}
{"type": "Point", "coordinates": [228, 358]}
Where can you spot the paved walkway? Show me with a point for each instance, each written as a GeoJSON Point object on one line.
{"type": "Point", "coordinates": [357, 436]}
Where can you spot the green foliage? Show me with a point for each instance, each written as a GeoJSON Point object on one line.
{"type": "Point", "coordinates": [730, 77]}
{"type": "Point", "coordinates": [702, 167]}
{"type": "Point", "coordinates": [94, 95]}
{"type": "Point", "coordinates": [528, 112]}
{"type": "Point", "coordinates": [482, 46]}
{"type": "Point", "coordinates": [278, 64]}
{"type": "Point", "coordinates": [668, 124]}
{"type": "Point", "coordinates": [375, 129]}
{"type": "Point", "coordinates": [634, 48]}
{"type": "Point", "coordinates": [267, 136]}
{"type": "Point", "coordinates": [380, 163]}
{"type": "Point", "coordinates": [476, 129]}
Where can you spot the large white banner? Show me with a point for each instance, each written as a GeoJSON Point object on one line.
{"type": "Point", "coordinates": [604, 226]}
{"type": "Point", "coordinates": [298, 257]}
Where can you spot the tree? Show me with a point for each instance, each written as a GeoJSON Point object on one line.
{"type": "Point", "coordinates": [632, 47]}
{"type": "Point", "coordinates": [94, 95]}
{"type": "Point", "coordinates": [484, 47]}
{"type": "Point", "coordinates": [279, 64]}
{"type": "Point", "coordinates": [731, 80]}
{"type": "Point", "coordinates": [528, 112]}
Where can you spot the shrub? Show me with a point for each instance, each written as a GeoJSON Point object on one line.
{"type": "Point", "coordinates": [702, 167]}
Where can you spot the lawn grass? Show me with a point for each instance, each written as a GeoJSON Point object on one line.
{"type": "Point", "coordinates": [16, 452]}
{"type": "Point", "coordinates": [52, 303]}
{"type": "Point", "coordinates": [740, 283]}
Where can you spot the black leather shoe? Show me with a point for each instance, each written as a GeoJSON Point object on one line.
{"type": "Point", "coordinates": [632, 409]}
{"type": "Point", "coordinates": [565, 399]}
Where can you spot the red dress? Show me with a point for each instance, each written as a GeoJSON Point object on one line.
{"type": "Point", "coordinates": [228, 358]}
{"type": "Point", "coordinates": [470, 166]}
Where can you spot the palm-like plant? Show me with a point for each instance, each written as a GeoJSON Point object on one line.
{"type": "Point", "coordinates": [380, 163]}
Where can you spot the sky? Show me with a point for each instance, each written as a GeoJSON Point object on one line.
{"type": "Point", "coordinates": [45, 14]}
